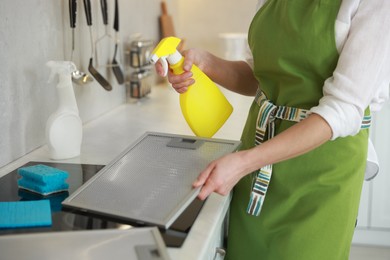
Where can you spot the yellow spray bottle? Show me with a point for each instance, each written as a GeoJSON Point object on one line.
{"type": "Point", "coordinates": [203, 105]}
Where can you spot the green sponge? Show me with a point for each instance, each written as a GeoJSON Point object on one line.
{"type": "Point", "coordinates": [43, 179]}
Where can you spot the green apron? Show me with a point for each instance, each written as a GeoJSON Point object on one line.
{"type": "Point", "coordinates": [311, 205]}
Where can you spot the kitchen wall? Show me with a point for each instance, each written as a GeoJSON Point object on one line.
{"type": "Point", "coordinates": [35, 31]}
{"type": "Point", "coordinates": [201, 22]}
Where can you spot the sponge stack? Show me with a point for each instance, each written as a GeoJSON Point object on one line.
{"type": "Point", "coordinates": [42, 179]}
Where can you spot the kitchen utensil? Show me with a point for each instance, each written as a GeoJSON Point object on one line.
{"type": "Point", "coordinates": [99, 78]}
{"type": "Point", "coordinates": [78, 76]}
{"type": "Point", "coordinates": [151, 181]}
{"type": "Point", "coordinates": [135, 243]}
{"type": "Point", "coordinates": [104, 42]}
{"type": "Point", "coordinates": [166, 22]}
{"type": "Point", "coordinates": [166, 25]}
{"type": "Point", "coordinates": [103, 6]}
{"type": "Point", "coordinates": [115, 65]}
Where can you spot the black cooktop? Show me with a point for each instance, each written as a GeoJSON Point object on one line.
{"type": "Point", "coordinates": [65, 220]}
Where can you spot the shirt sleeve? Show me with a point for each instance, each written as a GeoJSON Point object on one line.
{"type": "Point", "coordinates": [362, 75]}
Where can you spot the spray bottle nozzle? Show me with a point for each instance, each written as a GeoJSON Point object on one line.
{"type": "Point", "coordinates": [61, 68]}
{"type": "Point", "coordinates": [166, 50]}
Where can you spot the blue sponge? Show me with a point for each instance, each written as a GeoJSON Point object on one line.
{"type": "Point", "coordinates": [42, 179]}
{"type": "Point", "coordinates": [18, 214]}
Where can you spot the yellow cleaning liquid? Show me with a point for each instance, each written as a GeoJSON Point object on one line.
{"type": "Point", "coordinates": [203, 105]}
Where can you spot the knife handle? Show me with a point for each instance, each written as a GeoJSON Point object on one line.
{"type": "Point", "coordinates": [116, 16]}
{"type": "Point", "coordinates": [72, 13]}
{"type": "Point", "coordinates": [103, 5]}
{"type": "Point", "coordinates": [87, 7]}
{"type": "Point", "coordinates": [164, 10]}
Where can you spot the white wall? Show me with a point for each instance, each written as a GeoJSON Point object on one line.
{"type": "Point", "coordinates": [35, 31]}
{"type": "Point", "coordinates": [201, 21]}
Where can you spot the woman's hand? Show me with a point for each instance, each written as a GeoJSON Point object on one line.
{"type": "Point", "coordinates": [221, 175]}
{"type": "Point", "coordinates": [181, 82]}
{"type": "Point", "coordinates": [236, 76]}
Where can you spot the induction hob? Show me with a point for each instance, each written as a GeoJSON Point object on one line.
{"type": "Point", "coordinates": [67, 220]}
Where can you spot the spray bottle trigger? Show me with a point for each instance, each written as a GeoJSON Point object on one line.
{"type": "Point", "coordinates": [164, 64]}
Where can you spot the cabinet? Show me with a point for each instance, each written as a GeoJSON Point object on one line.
{"type": "Point", "coordinates": [216, 250]}
{"type": "Point", "coordinates": [374, 214]}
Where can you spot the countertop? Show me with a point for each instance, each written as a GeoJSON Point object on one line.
{"type": "Point", "coordinates": [107, 136]}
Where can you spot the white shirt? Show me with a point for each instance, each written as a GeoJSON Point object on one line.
{"type": "Point", "coordinates": [362, 75]}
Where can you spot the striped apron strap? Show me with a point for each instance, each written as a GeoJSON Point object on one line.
{"type": "Point", "coordinates": [268, 112]}
{"type": "Point", "coordinates": [265, 121]}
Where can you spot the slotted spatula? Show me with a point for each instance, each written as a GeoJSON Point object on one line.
{"type": "Point", "coordinates": [99, 78]}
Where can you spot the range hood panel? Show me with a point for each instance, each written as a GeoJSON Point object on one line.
{"type": "Point", "coordinates": [151, 181]}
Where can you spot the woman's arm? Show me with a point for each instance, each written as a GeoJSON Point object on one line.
{"type": "Point", "coordinates": [221, 175]}
{"type": "Point", "coordinates": [362, 75]}
{"type": "Point", "coordinates": [236, 76]}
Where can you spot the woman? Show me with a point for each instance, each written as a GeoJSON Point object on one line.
{"type": "Point", "coordinates": [317, 68]}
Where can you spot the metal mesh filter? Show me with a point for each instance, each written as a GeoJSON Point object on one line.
{"type": "Point", "coordinates": [151, 182]}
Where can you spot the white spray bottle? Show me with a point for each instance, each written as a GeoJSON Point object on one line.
{"type": "Point", "coordinates": [64, 126]}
